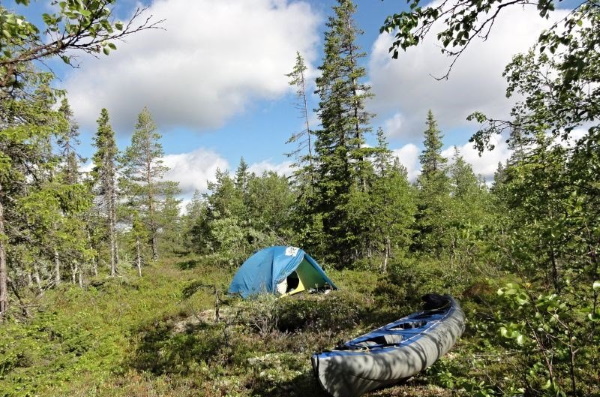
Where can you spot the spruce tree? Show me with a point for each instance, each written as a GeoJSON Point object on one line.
{"type": "Point", "coordinates": [432, 161]}
{"type": "Point", "coordinates": [434, 193]}
{"type": "Point", "coordinates": [342, 157]}
{"type": "Point", "coordinates": [67, 141]}
{"type": "Point", "coordinates": [104, 174]}
{"type": "Point", "coordinates": [303, 153]}
{"type": "Point", "coordinates": [73, 199]}
{"type": "Point", "coordinates": [27, 123]}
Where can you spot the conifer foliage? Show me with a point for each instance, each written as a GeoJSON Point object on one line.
{"type": "Point", "coordinates": [342, 158]}
{"type": "Point", "coordinates": [104, 176]}
{"type": "Point", "coordinates": [142, 180]}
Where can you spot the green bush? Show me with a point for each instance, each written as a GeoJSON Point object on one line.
{"type": "Point", "coordinates": [332, 312]}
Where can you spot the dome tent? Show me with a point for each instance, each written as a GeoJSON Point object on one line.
{"type": "Point", "coordinates": [279, 270]}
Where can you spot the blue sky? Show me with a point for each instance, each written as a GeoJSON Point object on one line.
{"type": "Point", "coordinates": [214, 81]}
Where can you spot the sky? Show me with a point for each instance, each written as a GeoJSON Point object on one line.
{"type": "Point", "coordinates": [214, 79]}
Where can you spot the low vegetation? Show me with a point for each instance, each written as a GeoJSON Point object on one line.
{"type": "Point", "coordinates": [175, 333]}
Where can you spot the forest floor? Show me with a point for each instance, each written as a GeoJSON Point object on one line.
{"type": "Point", "coordinates": [160, 335]}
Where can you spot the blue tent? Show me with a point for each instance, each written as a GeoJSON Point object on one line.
{"type": "Point", "coordinates": [279, 270]}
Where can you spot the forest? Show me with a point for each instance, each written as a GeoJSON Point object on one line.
{"type": "Point", "coordinates": [108, 287]}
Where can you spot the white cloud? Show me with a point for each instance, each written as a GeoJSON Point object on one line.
{"type": "Point", "coordinates": [284, 168]}
{"type": "Point", "coordinates": [211, 62]}
{"type": "Point", "coordinates": [409, 157]}
{"type": "Point", "coordinates": [194, 170]}
{"type": "Point", "coordinates": [406, 86]}
{"type": "Point", "coordinates": [393, 125]}
{"type": "Point", "coordinates": [486, 164]}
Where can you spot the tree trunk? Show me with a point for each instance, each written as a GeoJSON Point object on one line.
{"type": "Point", "coordinates": [153, 227]}
{"type": "Point", "coordinates": [113, 264]}
{"type": "Point", "coordinates": [56, 268]}
{"type": "Point", "coordinates": [111, 213]}
{"type": "Point", "coordinates": [112, 237]}
{"type": "Point", "coordinates": [80, 276]}
{"type": "Point", "coordinates": [3, 267]}
{"type": "Point", "coordinates": [555, 275]}
{"type": "Point", "coordinates": [94, 262]}
{"type": "Point", "coordinates": [387, 249]}
{"type": "Point", "coordinates": [154, 245]}
{"type": "Point", "coordinates": [37, 278]}
{"type": "Point", "coordinates": [139, 256]}
{"type": "Point", "coordinates": [74, 271]}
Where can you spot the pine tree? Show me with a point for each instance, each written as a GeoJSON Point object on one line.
{"type": "Point", "coordinates": [104, 175]}
{"type": "Point", "coordinates": [464, 183]}
{"type": "Point", "coordinates": [76, 214]}
{"type": "Point", "coordinates": [143, 171]}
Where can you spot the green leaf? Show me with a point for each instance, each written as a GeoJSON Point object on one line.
{"type": "Point", "coordinates": [522, 299]}
{"type": "Point", "coordinates": [520, 340]}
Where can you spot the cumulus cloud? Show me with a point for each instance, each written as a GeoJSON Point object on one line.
{"type": "Point", "coordinates": [408, 155]}
{"type": "Point", "coordinates": [213, 59]}
{"type": "Point", "coordinates": [194, 170]}
{"type": "Point", "coordinates": [405, 86]}
{"type": "Point", "coordinates": [284, 168]}
{"type": "Point", "coordinates": [485, 164]}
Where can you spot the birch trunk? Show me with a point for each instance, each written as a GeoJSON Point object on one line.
{"type": "Point", "coordinates": [3, 267]}
{"type": "Point", "coordinates": [56, 268]}
{"type": "Point", "coordinates": [139, 256]}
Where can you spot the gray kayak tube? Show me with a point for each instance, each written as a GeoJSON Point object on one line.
{"type": "Point", "coordinates": [393, 352]}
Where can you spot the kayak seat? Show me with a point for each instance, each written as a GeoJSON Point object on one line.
{"type": "Point", "coordinates": [381, 340]}
{"type": "Point", "coordinates": [409, 325]}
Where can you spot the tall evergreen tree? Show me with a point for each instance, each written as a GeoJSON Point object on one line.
{"type": "Point", "coordinates": [75, 201]}
{"type": "Point", "coordinates": [432, 161]}
{"type": "Point", "coordinates": [434, 193]}
{"type": "Point", "coordinates": [104, 174]}
{"type": "Point", "coordinates": [67, 142]}
{"type": "Point", "coordinates": [343, 160]}
{"type": "Point", "coordinates": [27, 122]}
{"type": "Point", "coordinates": [143, 171]}
{"type": "Point", "coordinates": [303, 153]}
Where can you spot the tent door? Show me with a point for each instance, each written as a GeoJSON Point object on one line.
{"type": "Point", "coordinates": [304, 277]}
